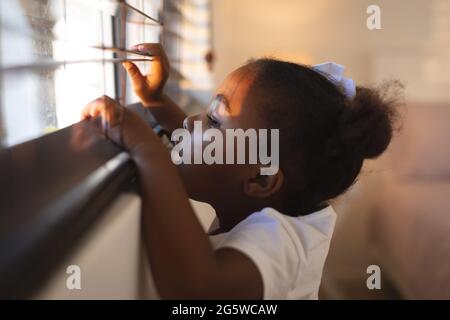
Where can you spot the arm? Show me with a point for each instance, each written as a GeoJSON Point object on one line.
{"type": "Point", "coordinates": [184, 264]}
{"type": "Point", "coordinates": [149, 88]}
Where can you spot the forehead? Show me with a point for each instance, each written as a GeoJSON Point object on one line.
{"type": "Point", "coordinates": [235, 90]}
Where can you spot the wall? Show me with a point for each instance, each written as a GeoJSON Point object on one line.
{"type": "Point", "coordinates": [412, 46]}
{"type": "Point", "coordinates": [111, 257]}
{"type": "Point", "coordinates": [317, 31]}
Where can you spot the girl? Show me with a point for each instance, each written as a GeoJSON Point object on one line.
{"type": "Point", "coordinates": [274, 230]}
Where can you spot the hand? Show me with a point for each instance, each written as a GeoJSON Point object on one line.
{"type": "Point", "coordinates": [149, 87]}
{"type": "Point", "coordinates": [123, 126]}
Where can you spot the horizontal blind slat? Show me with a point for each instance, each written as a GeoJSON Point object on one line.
{"type": "Point", "coordinates": [52, 64]}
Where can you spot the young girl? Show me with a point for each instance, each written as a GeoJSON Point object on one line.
{"type": "Point", "coordinates": [274, 230]}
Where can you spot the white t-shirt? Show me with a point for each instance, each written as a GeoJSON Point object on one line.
{"type": "Point", "coordinates": [289, 252]}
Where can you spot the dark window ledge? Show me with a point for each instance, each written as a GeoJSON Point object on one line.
{"type": "Point", "coordinates": [51, 190]}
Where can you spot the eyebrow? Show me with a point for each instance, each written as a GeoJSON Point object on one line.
{"type": "Point", "coordinates": [221, 98]}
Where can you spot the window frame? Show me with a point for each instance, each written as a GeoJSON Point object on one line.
{"type": "Point", "coordinates": [53, 188]}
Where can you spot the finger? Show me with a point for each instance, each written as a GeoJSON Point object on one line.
{"type": "Point", "coordinates": [89, 111]}
{"type": "Point", "coordinates": [115, 134]}
{"type": "Point", "coordinates": [157, 76]}
{"type": "Point", "coordinates": [132, 70]}
{"type": "Point", "coordinates": [154, 49]}
{"type": "Point", "coordinates": [137, 79]}
{"type": "Point", "coordinates": [111, 112]}
{"type": "Point", "coordinates": [105, 107]}
{"type": "Point", "coordinates": [85, 113]}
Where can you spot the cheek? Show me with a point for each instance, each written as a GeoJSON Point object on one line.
{"type": "Point", "coordinates": [199, 141]}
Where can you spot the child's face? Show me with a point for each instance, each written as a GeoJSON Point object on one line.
{"type": "Point", "coordinates": [232, 107]}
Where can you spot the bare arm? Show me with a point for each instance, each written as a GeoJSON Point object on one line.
{"type": "Point", "coordinates": [184, 263]}
{"type": "Point", "coordinates": [167, 113]}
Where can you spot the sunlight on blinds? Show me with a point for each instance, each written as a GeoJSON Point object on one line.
{"type": "Point", "coordinates": [57, 55]}
{"type": "Point", "coordinates": [189, 41]}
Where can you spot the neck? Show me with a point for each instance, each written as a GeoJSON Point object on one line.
{"type": "Point", "coordinates": [228, 218]}
{"type": "Point", "coordinates": [230, 214]}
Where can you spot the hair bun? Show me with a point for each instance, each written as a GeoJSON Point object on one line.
{"type": "Point", "coordinates": [366, 125]}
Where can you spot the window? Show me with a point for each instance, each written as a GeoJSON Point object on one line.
{"type": "Point", "coordinates": [187, 38]}
{"type": "Point", "coordinates": [57, 55]}
{"type": "Point", "coordinates": [188, 34]}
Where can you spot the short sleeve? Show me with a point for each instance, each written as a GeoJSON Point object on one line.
{"type": "Point", "coordinates": [265, 240]}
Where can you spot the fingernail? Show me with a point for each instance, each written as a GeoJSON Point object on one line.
{"type": "Point", "coordinates": [142, 48]}
{"type": "Point", "coordinates": [126, 65]}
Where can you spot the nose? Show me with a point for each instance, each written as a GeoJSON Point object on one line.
{"type": "Point", "coordinates": [188, 122]}
{"type": "Point", "coordinates": [185, 123]}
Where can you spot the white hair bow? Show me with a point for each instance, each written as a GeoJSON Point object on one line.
{"type": "Point", "coordinates": [335, 73]}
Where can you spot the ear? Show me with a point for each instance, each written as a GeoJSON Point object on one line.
{"type": "Point", "coordinates": [263, 186]}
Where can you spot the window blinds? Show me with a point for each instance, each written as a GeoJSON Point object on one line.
{"type": "Point", "coordinates": [57, 55]}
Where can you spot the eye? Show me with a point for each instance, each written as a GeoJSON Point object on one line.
{"type": "Point", "coordinates": [212, 123]}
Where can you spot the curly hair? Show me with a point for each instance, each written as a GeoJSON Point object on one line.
{"type": "Point", "coordinates": [324, 136]}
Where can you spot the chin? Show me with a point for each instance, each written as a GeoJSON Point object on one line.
{"type": "Point", "coordinates": [192, 181]}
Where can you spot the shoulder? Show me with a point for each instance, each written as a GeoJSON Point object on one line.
{"type": "Point", "coordinates": [278, 236]}
{"type": "Point", "coordinates": [270, 224]}
{"type": "Point", "coordinates": [266, 228]}
{"type": "Point", "coordinates": [280, 246]}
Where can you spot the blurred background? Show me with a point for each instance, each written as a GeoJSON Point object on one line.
{"type": "Point", "coordinates": [57, 55]}
{"type": "Point", "coordinates": [397, 215]}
